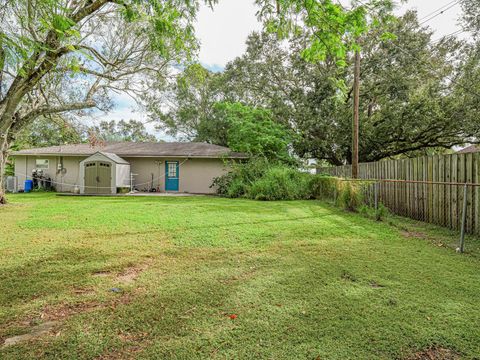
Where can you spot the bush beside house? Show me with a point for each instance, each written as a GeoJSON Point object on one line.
{"type": "Point", "coordinates": [260, 179]}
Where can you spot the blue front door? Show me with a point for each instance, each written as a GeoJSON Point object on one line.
{"type": "Point", "coordinates": [171, 175]}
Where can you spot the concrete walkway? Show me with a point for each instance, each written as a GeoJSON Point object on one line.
{"type": "Point", "coordinates": [139, 193]}
{"type": "Point", "coordinates": [173, 194]}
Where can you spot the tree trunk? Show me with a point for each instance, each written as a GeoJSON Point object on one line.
{"type": "Point", "coordinates": [3, 167]}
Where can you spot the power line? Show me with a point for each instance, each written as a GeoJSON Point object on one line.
{"type": "Point", "coordinates": [460, 31]}
{"type": "Point", "coordinates": [438, 14]}
{"type": "Point", "coordinates": [432, 66]}
{"type": "Point", "coordinates": [441, 9]}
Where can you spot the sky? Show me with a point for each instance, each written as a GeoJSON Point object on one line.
{"type": "Point", "coordinates": [222, 33]}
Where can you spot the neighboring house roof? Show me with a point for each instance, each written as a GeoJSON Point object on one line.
{"type": "Point", "coordinates": [469, 149]}
{"type": "Point", "coordinates": [131, 149]}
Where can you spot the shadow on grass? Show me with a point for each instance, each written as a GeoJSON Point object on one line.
{"type": "Point", "coordinates": [49, 275]}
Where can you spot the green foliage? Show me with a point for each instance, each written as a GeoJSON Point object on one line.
{"type": "Point", "coordinates": [259, 179]}
{"type": "Point", "coordinates": [280, 183]}
{"type": "Point", "coordinates": [198, 116]}
{"type": "Point", "coordinates": [51, 131]}
{"type": "Point", "coordinates": [406, 101]}
{"type": "Point", "coordinates": [168, 24]}
{"type": "Point", "coordinates": [323, 187]}
{"type": "Point", "coordinates": [381, 212]}
{"type": "Point", "coordinates": [350, 195]}
{"type": "Point", "coordinates": [253, 131]}
{"type": "Point", "coordinates": [131, 130]}
{"type": "Point", "coordinates": [238, 181]}
{"type": "Point", "coordinates": [190, 115]}
{"type": "Point", "coordinates": [330, 31]}
{"type": "Point", "coordinates": [471, 16]}
{"type": "Point", "coordinates": [10, 168]}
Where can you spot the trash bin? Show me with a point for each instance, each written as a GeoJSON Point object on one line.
{"type": "Point", "coordinates": [28, 185]}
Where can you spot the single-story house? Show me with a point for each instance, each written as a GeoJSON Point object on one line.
{"type": "Point", "coordinates": [164, 167]}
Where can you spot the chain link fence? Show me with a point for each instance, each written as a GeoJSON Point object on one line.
{"type": "Point", "coordinates": [448, 204]}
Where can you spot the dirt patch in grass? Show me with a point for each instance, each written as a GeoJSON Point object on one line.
{"type": "Point", "coordinates": [130, 352]}
{"type": "Point", "coordinates": [245, 276]}
{"type": "Point", "coordinates": [414, 234]}
{"type": "Point", "coordinates": [33, 333]}
{"type": "Point", "coordinates": [411, 234]}
{"type": "Point", "coordinates": [133, 344]}
{"type": "Point", "coordinates": [52, 317]}
{"type": "Point", "coordinates": [127, 275]}
{"type": "Point", "coordinates": [101, 273]}
{"type": "Point", "coordinates": [83, 291]}
{"type": "Point", "coordinates": [131, 274]}
{"type": "Point", "coordinates": [63, 311]}
{"type": "Point", "coordinates": [435, 353]}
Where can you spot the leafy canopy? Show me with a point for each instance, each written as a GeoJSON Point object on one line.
{"type": "Point", "coordinates": [132, 130]}
{"type": "Point", "coordinates": [253, 131]}
{"type": "Point", "coordinates": [329, 29]}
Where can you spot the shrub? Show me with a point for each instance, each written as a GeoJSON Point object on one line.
{"type": "Point", "coordinates": [262, 180]}
{"type": "Point", "coordinates": [323, 187]}
{"type": "Point", "coordinates": [350, 195]}
{"type": "Point", "coordinates": [280, 183]}
{"type": "Point", "coordinates": [237, 182]}
{"type": "Point", "coordinates": [381, 212]}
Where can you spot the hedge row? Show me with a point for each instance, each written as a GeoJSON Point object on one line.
{"type": "Point", "coordinates": [259, 180]}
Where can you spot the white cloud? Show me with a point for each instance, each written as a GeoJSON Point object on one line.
{"type": "Point", "coordinates": [223, 31]}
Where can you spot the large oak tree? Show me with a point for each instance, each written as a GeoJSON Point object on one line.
{"type": "Point", "coordinates": [71, 55]}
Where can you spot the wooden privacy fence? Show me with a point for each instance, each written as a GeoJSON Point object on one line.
{"type": "Point", "coordinates": [429, 189]}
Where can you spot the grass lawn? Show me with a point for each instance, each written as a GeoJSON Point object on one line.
{"type": "Point", "coordinates": [212, 278]}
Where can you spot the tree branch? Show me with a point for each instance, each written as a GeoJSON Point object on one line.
{"type": "Point", "coordinates": [47, 110]}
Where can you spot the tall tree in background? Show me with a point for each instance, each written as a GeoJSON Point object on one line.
{"type": "Point", "coordinates": [332, 31]}
{"type": "Point", "coordinates": [112, 131]}
{"type": "Point", "coordinates": [98, 45]}
{"type": "Point", "coordinates": [408, 104]}
{"type": "Point", "coordinates": [187, 103]}
{"type": "Point", "coordinates": [253, 131]}
{"type": "Point", "coordinates": [467, 84]}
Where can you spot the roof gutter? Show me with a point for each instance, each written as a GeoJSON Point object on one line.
{"type": "Point", "coordinates": [16, 153]}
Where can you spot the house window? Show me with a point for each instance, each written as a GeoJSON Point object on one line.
{"type": "Point", "coordinates": [41, 164]}
{"type": "Point", "coordinates": [172, 169]}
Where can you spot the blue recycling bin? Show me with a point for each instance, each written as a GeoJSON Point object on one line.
{"type": "Point", "coordinates": [28, 185]}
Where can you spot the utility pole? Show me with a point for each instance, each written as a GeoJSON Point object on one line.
{"type": "Point", "coordinates": [356, 115]}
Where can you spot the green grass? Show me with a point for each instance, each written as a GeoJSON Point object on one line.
{"type": "Point", "coordinates": [306, 281]}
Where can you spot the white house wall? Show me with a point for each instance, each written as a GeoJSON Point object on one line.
{"type": "Point", "coordinates": [24, 165]}
{"type": "Point", "coordinates": [196, 175]}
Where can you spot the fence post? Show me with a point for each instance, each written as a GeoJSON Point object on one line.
{"type": "Point", "coordinates": [464, 218]}
{"type": "Point", "coordinates": [376, 202]}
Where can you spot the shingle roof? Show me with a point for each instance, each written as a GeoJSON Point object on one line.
{"type": "Point", "coordinates": [131, 149]}
{"type": "Point", "coordinates": [469, 149]}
